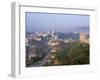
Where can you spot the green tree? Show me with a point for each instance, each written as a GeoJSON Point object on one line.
{"type": "Point", "coordinates": [79, 54]}
{"type": "Point", "coordinates": [74, 53]}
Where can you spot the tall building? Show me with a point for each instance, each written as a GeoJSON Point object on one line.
{"type": "Point", "coordinates": [52, 34]}
{"type": "Point", "coordinates": [56, 36]}
{"type": "Point", "coordinates": [84, 38]}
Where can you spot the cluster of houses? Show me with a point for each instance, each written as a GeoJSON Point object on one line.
{"type": "Point", "coordinates": [54, 41]}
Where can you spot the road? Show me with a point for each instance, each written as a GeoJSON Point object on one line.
{"type": "Point", "coordinates": [42, 62]}
{"type": "Point", "coordinates": [45, 58]}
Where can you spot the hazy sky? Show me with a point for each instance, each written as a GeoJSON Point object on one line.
{"type": "Point", "coordinates": [38, 22]}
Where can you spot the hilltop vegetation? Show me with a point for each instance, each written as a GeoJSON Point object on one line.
{"type": "Point", "coordinates": [74, 54]}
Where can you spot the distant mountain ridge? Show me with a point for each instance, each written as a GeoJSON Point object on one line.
{"type": "Point", "coordinates": [69, 35]}
{"type": "Point", "coordinates": [83, 29]}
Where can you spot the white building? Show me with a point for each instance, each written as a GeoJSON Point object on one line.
{"type": "Point", "coordinates": [53, 42]}
{"type": "Point", "coordinates": [37, 39]}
